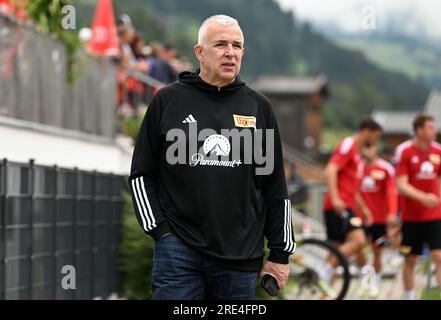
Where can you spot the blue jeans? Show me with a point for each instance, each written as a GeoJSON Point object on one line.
{"type": "Point", "coordinates": [181, 273]}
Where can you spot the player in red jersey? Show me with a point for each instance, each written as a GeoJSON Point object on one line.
{"type": "Point", "coordinates": [379, 195]}
{"type": "Point", "coordinates": [343, 174]}
{"type": "Point", "coordinates": [418, 180]}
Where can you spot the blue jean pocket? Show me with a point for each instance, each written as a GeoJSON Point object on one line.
{"type": "Point", "coordinates": [165, 236]}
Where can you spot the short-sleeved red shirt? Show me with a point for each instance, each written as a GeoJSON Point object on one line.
{"type": "Point", "coordinates": [347, 157]}
{"type": "Point", "coordinates": [378, 190]}
{"type": "Point", "coordinates": [423, 167]}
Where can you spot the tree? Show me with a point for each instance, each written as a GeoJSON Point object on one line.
{"type": "Point", "coordinates": [47, 16]}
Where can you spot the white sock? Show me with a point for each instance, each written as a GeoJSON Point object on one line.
{"type": "Point", "coordinates": [378, 280]}
{"type": "Point", "coordinates": [409, 295]}
{"type": "Point", "coordinates": [327, 272]}
{"type": "Point", "coordinates": [362, 274]}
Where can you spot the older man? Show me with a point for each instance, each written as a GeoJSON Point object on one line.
{"type": "Point", "coordinates": [207, 178]}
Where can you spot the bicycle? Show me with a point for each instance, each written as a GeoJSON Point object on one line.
{"type": "Point", "coordinates": [305, 281]}
{"type": "Point", "coordinates": [312, 254]}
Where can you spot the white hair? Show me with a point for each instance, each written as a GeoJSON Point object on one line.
{"type": "Point", "coordinates": [218, 18]}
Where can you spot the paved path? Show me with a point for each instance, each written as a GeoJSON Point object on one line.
{"type": "Point", "coordinates": [390, 289]}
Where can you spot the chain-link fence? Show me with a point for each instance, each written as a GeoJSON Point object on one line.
{"type": "Point", "coordinates": [53, 217]}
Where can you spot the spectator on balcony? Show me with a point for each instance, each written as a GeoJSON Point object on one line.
{"type": "Point", "coordinates": [139, 48]}
{"type": "Point", "coordinates": [128, 37]}
{"type": "Point", "coordinates": [172, 57]}
{"type": "Point", "coordinates": [161, 70]}
{"type": "Point", "coordinates": [132, 89]}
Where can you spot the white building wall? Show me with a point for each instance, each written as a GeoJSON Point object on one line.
{"type": "Point", "coordinates": [21, 141]}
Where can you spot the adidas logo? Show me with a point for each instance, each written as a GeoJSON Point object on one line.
{"type": "Point", "coordinates": [189, 119]}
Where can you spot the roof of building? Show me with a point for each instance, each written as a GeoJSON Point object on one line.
{"type": "Point", "coordinates": [289, 85]}
{"type": "Point", "coordinates": [400, 122]}
{"type": "Point", "coordinates": [394, 122]}
{"type": "Point", "coordinates": [433, 105]}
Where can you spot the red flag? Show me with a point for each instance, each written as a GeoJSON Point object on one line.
{"type": "Point", "coordinates": [104, 39]}
{"type": "Point", "coordinates": [14, 7]}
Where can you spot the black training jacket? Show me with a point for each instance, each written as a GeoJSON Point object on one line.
{"type": "Point", "coordinates": [215, 203]}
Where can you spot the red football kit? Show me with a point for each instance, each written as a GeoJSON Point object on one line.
{"type": "Point", "coordinates": [423, 167]}
{"type": "Point", "coordinates": [378, 190]}
{"type": "Point", "coordinates": [347, 157]}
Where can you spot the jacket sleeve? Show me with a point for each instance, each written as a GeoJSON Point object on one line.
{"type": "Point", "coordinates": [143, 179]}
{"type": "Point", "coordinates": [278, 225]}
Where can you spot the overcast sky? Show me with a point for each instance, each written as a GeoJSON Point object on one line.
{"type": "Point", "coordinates": [347, 14]}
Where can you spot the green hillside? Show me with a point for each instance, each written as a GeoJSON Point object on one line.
{"type": "Point", "coordinates": [417, 62]}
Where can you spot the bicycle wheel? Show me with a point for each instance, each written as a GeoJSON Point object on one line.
{"type": "Point", "coordinates": [306, 281]}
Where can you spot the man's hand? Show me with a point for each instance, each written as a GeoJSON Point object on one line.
{"type": "Point", "coordinates": [367, 214]}
{"type": "Point", "coordinates": [392, 220]}
{"type": "Point", "coordinates": [430, 200]}
{"type": "Point", "coordinates": [277, 270]}
{"type": "Point", "coordinates": [338, 204]}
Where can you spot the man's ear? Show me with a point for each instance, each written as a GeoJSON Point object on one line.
{"type": "Point", "coordinates": [198, 52]}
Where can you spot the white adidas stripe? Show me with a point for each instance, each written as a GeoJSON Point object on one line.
{"type": "Point", "coordinates": [189, 119]}
{"type": "Point", "coordinates": [290, 245]}
{"type": "Point", "coordinates": [285, 231]}
{"type": "Point", "coordinates": [148, 204]}
{"type": "Point", "coordinates": [141, 211]}
{"type": "Point", "coordinates": [291, 236]}
{"type": "Point", "coordinates": [141, 198]}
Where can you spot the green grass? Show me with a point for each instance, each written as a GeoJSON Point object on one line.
{"type": "Point", "coordinates": [331, 137]}
{"type": "Point", "coordinates": [431, 294]}
{"type": "Point", "coordinates": [291, 286]}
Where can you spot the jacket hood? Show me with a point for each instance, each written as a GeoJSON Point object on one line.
{"type": "Point", "coordinates": [193, 79]}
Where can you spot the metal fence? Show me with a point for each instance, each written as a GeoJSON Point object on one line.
{"type": "Point", "coordinates": [51, 217]}
{"type": "Point", "coordinates": [34, 87]}
{"type": "Point", "coordinates": [306, 197]}
{"type": "Point", "coordinates": [135, 90]}
{"type": "Point", "coordinates": [314, 204]}
{"type": "Point", "coordinates": [308, 216]}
